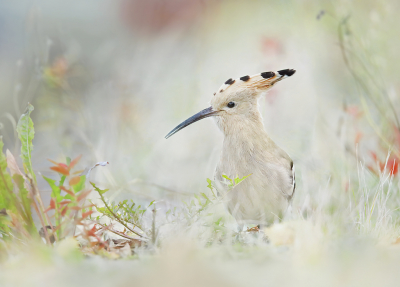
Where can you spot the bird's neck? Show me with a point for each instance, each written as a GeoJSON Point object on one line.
{"type": "Point", "coordinates": [244, 131]}
{"type": "Point", "coordinates": [245, 145]}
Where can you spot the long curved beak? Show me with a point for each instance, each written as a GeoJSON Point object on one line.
{"type": "Point", "coordinates": [200, 115]}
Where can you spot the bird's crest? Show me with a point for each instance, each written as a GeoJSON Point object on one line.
{"type": "Point", "coordinates": [260, 81]}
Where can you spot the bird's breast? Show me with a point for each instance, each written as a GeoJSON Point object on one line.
{"type": "Point", "coordinates": [264, 191]}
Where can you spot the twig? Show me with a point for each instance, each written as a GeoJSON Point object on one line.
{"type": "Point", "coordinates": [116, 232]}
{"type": "Point", "coordinates": [117, 217]}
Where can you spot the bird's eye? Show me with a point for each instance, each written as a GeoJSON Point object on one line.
{"type": "Point", "coordinates": [230, 105]}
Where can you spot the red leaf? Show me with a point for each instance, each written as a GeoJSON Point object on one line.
{"type": "Point", "coordinates": [86, 214]}
{"type": "Point", "coordinates": [60, 169]}
{"type": "Point", "coordinates": [65, 202]}
{"type": "Point", "coordinates": [78, 171]}
{"type": "Point", "coordinates": [270, 45]}
{"type": "Point", "coordinates": [372, 169]}
{"type": "Point", "coordinates": [359, 135]}
{"type": "Point", "coordinates": [393, 166]}
{"type": "Point", "coordinates": [74, 162]}
{"type": "Point", "coordinates": [74, 180]}
{"type": "Point", "coordinates": [83, 194]}
{"type": "Point", "coordinates": [67, 191]}
{"type": "Point", "coordinates": [53, 162]}
{"type": "Point", "coordinates": [52, 205]}
{"type": "Point", "coordinates": [93, 230]}
{"type": "Point", "coordinates": [64, 210]}
{"type": "Point", "coordinates": [354, 111]}
{"type": "Point", "coordinates": [373, 154]}
{"type": "Point", "coordinates": [79, 208]}
{"type": "Point", "coordinates": [75, 208]}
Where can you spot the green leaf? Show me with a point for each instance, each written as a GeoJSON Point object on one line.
{"type": "Point", "coordinates": [56, 191]}
{"type": "Point", "coordinates": [80, 185]}
{"type": "Point", "coordinates": [62, 180]}
{"type": "Point", "coordinates": [4, 221]}
{"type": "Point", "coordinates": [26, 202]}
{"type": "Point", "coordinates": [239, 180]}
{"type": "Point", "coordinates": [198, 199]}
{"type": "Point", "coordinates": [100, 191]}
{"type": "Point", "coordinates": [101, 209]}
{"type": "Point", "coordinates": [7, 197]}
{"type": "Point", "coordinates": [209, 184]}
{"type": "Point", "coordinates": [26, 134]}
{"type": "Point", "coordinates": [226, 177]}
{"type": "Point", "coordinates": [205, 196]}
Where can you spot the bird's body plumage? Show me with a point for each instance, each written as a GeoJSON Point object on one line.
{"type": "Point", "coordinates": [264, 196]}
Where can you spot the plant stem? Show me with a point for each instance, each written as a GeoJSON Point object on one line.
{"type": "Point", "coordinates": [46, 235]}
{"type": "Point", "coordinates": [116, 217]}
{"type": "Point", "coordinates": [153, 226]}
{"type": "Point", "coordinates": [116, 232]}
{"type": "Point", "coordinates": [36, 194]}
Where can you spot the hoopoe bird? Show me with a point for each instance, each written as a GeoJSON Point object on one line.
{"type": "Point", "coordinates": [264, 196]}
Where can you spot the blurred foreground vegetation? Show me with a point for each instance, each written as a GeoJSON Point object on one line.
{"type": "Point", "coordinates": [91, 194]}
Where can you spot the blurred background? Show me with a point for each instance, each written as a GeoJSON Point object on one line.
{"type": "Point", "coordinates": [109, 79]}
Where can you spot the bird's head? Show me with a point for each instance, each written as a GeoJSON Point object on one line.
{"type": "Point", "coordinates": [237, 99]}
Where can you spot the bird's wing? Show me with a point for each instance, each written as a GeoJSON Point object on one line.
{"type": "Point", "coordinates": [283, 163]}
{"type": "Point", "coordinates": [293, 176]}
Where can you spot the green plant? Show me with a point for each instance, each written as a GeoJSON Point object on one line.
{"type": "Point", "coordinates": [17, 189]}
{"type": "Point", "coordinates": [19, 193]}
{"type": "Point", "coordinates": [129, 215]}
